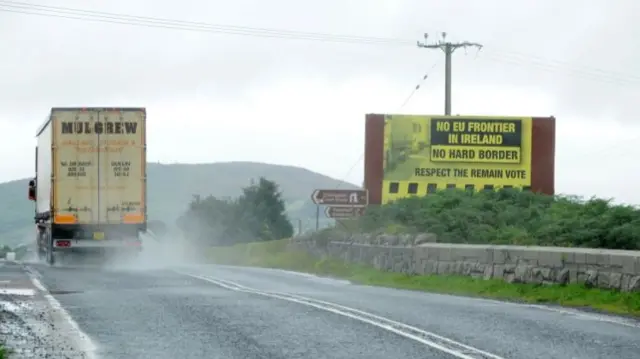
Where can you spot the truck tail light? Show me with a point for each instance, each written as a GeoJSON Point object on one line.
{"type": "Point", "coordinates": [64, 244]}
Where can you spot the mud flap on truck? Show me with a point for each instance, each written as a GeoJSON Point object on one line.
{"type": "Point", "coordinates": [41, 248]}
{"type": "Point", "coordinates": [40, 241]}
{"type": "Point", "coordinates": [48, 239]}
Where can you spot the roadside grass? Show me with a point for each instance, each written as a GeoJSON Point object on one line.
{"type": "Point", "coordinates": [273, 254]}
{"type": "Point", "coordinates": [4, 352]}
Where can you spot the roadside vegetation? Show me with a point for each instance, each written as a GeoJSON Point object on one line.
{"type": "Point", "coordinates": [247, 230]}
{"type": "Point", "coordinates": [4, 352]}
{"type": "Point", "coordinates": [509, 216]}
{"type": "Point", "coordinates": [258, 214]}
{"type": "Point", "coordinates": [4, 250]}
{"type": "Point", "coordinates": [274, 254]}
{"type": "Point", "coordinates": [505, 216]}
{"type": "Point", "coordinates": [170, 187]}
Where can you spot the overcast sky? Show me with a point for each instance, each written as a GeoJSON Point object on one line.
{"type": "Point", "coordinates": [221, 97]}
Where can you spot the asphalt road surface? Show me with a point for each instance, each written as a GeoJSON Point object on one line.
{"type": "Point", "coordinates": [226, 312]}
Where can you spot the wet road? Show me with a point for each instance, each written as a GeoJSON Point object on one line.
{"type": "Point", "coordinates": [225, 312]}
{"type": "Point", "coordinates": [31, 325]}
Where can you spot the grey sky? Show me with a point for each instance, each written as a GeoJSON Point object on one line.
{"type": "Point", "coordinates": [217, 97]}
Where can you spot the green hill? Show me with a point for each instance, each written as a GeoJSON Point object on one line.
{"type": "Point", "coordinates": [171, 187]}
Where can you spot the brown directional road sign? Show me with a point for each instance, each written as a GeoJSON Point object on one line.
{"type": "Point", "coordinates": [344, 212]}
{"type": "Point", "coordinates": [341, 197]}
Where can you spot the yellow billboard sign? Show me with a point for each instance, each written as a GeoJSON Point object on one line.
{"type": "Point", "coordinates": [423, 154]}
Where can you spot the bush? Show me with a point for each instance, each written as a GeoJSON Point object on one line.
{"type": "Point", "coordinates": [510, 216]}
{"type": "Point", "coordinates": [257, 214]}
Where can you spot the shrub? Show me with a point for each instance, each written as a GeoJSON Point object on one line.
{"type": "Point", "coordinates": [509, 216]}
{"type": "Point", "coordinates": [257, 214]}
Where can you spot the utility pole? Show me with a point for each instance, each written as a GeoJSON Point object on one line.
{"type": "Point", "coordinates": [448, 48]}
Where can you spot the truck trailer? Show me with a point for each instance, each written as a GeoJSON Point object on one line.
{"type": "Point", "coordinates": [90, 187]}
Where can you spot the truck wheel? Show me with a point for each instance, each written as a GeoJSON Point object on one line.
{"type": "Point", "coordinates": [51, 258]}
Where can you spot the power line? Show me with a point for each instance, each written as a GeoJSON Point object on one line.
{"type": "Point", "coordinates": [145, 21]}
{"type": "Point", "coordinates": [549, 62]}
{"type": "Point", "coordinates": [154, 22]}
{"type": "Point", "coordinates": [510, 57]}
{"type": "Point", "coordinates": [593, 74]}
{"type": "Point", "coordinates": [344, 178]}
{"type": "Point", "coordinates": [448, 48]}
{"type": "Point", "coordinates": [415, 89]}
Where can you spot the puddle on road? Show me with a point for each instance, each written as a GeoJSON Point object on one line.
{"type": "Point", "coordinates": [18, 291]}
{"type": "Point", "coordinates": [14, 307]}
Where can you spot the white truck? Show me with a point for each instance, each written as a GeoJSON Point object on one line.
{"type": "Point", "coordinates": [90, 188]}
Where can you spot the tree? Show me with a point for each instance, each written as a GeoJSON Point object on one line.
{"type": "Point", "coordinates": [4, 250]}
{"type": "Point", "coordinates": [265, 210]}
{"type": "Point", "coordinates": [257, 214]}
{"type": "Point", "coordinates": [209, 220]}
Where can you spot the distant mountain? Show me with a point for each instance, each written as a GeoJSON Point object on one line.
{"type": "Point", "coordinates": [172, 186]}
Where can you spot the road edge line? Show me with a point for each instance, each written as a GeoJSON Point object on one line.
{"type": "Point", "coordinates": [333, 308]}
{"type": "Point", "coordinates": [609, 318]}
{"type": "Point", "coordinates": [84, 341]}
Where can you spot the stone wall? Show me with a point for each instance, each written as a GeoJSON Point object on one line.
{"type": "Point", "coordinates": [415, 254]}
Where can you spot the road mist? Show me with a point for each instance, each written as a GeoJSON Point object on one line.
{"type": "Point", "coordinates": [158, 252]}
{"type": "Point", "coordinates": [212, 240]}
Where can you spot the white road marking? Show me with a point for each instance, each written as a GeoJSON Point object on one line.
{"type": "Point", "coordinates": [435, 341]}
{"type": "Point", "coordinates": [26, 292]}
{"type": "Point", "coordinates": [5, 281]}
{"type": "Point", "coordinates": [588, 316]}
{"type": "Point", "coordinates": [312, 276]}
{"type": "Point", "coordinates": [578, 314]}
{"type": "Point", "coordinates": [83, 341]}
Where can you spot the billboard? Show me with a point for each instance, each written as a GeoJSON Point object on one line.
{"type": "Point", "coordinates": [419, 154]}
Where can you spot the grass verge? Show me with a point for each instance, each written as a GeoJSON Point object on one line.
{"type": "Point", "coordinates": [273, 254]}
{"type": "Point", "coordinates": [4, 352]}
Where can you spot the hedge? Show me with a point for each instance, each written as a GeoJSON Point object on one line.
{"type": "Point", "coordinates": [510, 216]}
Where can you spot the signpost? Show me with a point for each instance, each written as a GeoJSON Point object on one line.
{"type": "Point", "coordinates": [344, 212]}
{"type": "Point", "coordinates": [341, 197]}
{"type": "Point", "coordinates": [341, 203]}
